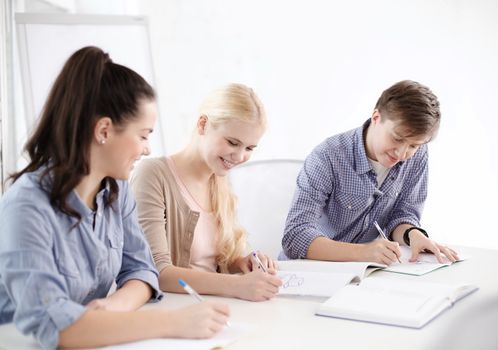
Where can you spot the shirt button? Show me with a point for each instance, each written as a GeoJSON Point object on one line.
{"type": "Point", "coordinates": [349, 207]}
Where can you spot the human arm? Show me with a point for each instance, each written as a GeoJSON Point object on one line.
{"type": "Point", "coordinates": [36, 279]}
{"type": "Point", "coordinates": [129, 297]}
{"type": "Point", "coordinates": [381, 251]}
{"type": "Point", "coordinates": [253, 286]}
{"type": "Point", "coordinates": [97, 328]}
{"type": "Point", "coordinates": [408, 208]}
{"type": "Point", "coordinates": [314, 186]}
{"type": "Point", "coordinates": [320, 185]}
{"type": "Point", "coordinates": [420, 243]}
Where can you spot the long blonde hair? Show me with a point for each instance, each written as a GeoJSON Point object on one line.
{"type": "Point", "coordinates": [231, 102]}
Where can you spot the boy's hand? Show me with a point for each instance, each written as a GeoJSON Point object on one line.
{"type": "Point", "coordinates": [380, 251]}
{"type": "Point", "coordinates": [419, 243]}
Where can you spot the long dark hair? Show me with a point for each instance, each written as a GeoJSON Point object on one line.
{"type": "Point", "coordinates": [89, 86]}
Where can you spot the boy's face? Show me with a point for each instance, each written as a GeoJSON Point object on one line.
{"type": "Point", "coordinates": [386, 141]}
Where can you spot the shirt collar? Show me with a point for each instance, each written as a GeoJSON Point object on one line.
{"type": "Point", "coordinates": [362, 164]}
{"type": "Point", "coordinates": [77, 204]}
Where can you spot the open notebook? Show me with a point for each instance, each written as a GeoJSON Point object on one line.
{"type": "Point", "coordinates": [321, 278]}
{"type": "Point", "coordinates": [395, 302]}
{"type": "Point", "coordinates": [425, 263]}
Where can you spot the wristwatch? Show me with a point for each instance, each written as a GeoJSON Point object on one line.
{"type": "Point", "coordinates": [406, 236]}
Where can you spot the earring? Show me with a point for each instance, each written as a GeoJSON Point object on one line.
{"type": "Point", "coordinates": [102, 142]}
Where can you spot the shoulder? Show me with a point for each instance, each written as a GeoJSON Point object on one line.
{"type": "Point", "coordinates": [27, 190]}
{"type": "Point", "coordinates": [337, 148]}
{"type": "Point", "coordinates": [152, 169]}
{"type": "Point", "coordinates": [421, 156]}
{"type": "Point", "coordinates": [25, 211]}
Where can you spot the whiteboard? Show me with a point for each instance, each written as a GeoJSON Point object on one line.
{"type": "Point", "coordinates": [46, 41]}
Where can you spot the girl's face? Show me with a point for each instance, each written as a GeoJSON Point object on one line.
{"type": "Point", "coordinates": [126, 146]}
{"type": "Point", "coordinates": [387, 143]}
{"type": "Point", "coordinates": [228, 144]}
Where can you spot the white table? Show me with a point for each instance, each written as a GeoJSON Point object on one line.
{"type": "Point", "coordinates": [290, 323]}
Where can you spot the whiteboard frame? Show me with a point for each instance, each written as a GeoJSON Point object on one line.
{"type": "Point", "coordinates": [22, 20]}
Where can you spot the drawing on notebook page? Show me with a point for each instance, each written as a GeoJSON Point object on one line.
{"type": "Point", "coordinates": [291, 280]}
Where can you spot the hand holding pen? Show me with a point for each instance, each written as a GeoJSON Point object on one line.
{"type": "Point", "coordinates": [194, 294]}
{"type": "Point", "coordinates": [383, 236]}
{"type": "Point", "coordinates": [258, 261]}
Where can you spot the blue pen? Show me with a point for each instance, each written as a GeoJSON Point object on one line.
{"type": "Point", "coordinates": [190, 290]}
{"type": "Point", "coordinates": [193, 293]}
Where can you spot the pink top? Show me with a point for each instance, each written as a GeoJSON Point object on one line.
{"type": "Point", "coordinates": [203, 249]}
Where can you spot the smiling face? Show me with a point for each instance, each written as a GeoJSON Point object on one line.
{"type": "Point", "coordinates": [227, 144]}
{"type": "Point", "coordinates": [387, 142]}
{"type": "Point", "coordinates": [124, 145]}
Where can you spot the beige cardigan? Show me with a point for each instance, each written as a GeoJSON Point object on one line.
{"type": "Point", "coordinates": [166, 219]}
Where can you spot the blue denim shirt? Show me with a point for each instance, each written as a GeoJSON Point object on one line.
{"type": "Point", "coordinates": [337, 195]}
{"type": "Point", "coordinates": [49, 270]}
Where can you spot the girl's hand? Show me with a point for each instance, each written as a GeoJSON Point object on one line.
{"type": "Point", "coordinates": [257, 286]}
{"type": "Point", "coordinates": [249, 263]}
{"type": "Point", "coordinates": [201, 320]}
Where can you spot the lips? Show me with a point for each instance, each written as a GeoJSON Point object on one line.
{"type": "Point", "coordinates": [392, 159]}
{"type": "Point", "coordinates": [227, 164]}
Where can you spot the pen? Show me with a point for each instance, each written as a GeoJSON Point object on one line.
{"type": "Point", "coordinates": [190, 290]}
{"type": "Point", "coordinates": [193, 293]}
{"type": "Point", "coordinates": [260, 264]}
{"type": "Point", "coordinates": [382, 234]}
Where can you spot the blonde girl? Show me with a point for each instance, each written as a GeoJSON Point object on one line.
{"type": "Point", "coordinates": [187, 208]}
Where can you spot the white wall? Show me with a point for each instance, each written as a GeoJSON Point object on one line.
{"type": "Point", "coordinates": [319, 67]}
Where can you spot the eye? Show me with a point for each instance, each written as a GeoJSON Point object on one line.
{"type": "Point", "coordinates": [250, 149]}
{"type": "Point", "coordinates": [232, 143]}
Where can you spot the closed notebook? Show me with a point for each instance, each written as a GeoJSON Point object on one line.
{"type": "Point", "coordinates": [394, 302]}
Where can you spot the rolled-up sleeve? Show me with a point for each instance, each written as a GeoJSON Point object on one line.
{"type": "Point", "coordinates": [137, 258]}
{"type": "Point", "coordinates": [314, 186]}
{"type": "Point", "coordinates": [408, 207]}
{"type": "Point", "coordinates": [30, 274]}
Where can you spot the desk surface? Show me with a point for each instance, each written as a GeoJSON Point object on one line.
{"type": "Point", "coordinates": [289, 322]}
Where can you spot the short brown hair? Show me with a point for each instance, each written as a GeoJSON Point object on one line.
{"type": "Point", "coordinates": [414, 105]}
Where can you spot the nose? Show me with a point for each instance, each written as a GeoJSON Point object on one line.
{"type": "Point", "coordinates": [238, 156]}
{"type": "Point", "coordinates": [402, 151]}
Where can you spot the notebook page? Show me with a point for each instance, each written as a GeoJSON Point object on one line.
{"type": "Point", "coordinates": [312, 283]}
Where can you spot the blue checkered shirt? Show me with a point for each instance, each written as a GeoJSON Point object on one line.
{"type": "Point", "coordinates": [337, 195]}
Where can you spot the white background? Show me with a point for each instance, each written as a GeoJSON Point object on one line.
{"type": "Point", "coordinates": [319, 67]}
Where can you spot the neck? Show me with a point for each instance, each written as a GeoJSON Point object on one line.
{"type": "Point", "coordinates": [191, 166]}
{"type": "Point", "coordinates": [88, 188]}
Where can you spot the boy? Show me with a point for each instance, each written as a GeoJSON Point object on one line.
{"type": "Point", "coordinates": [377, 172]}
